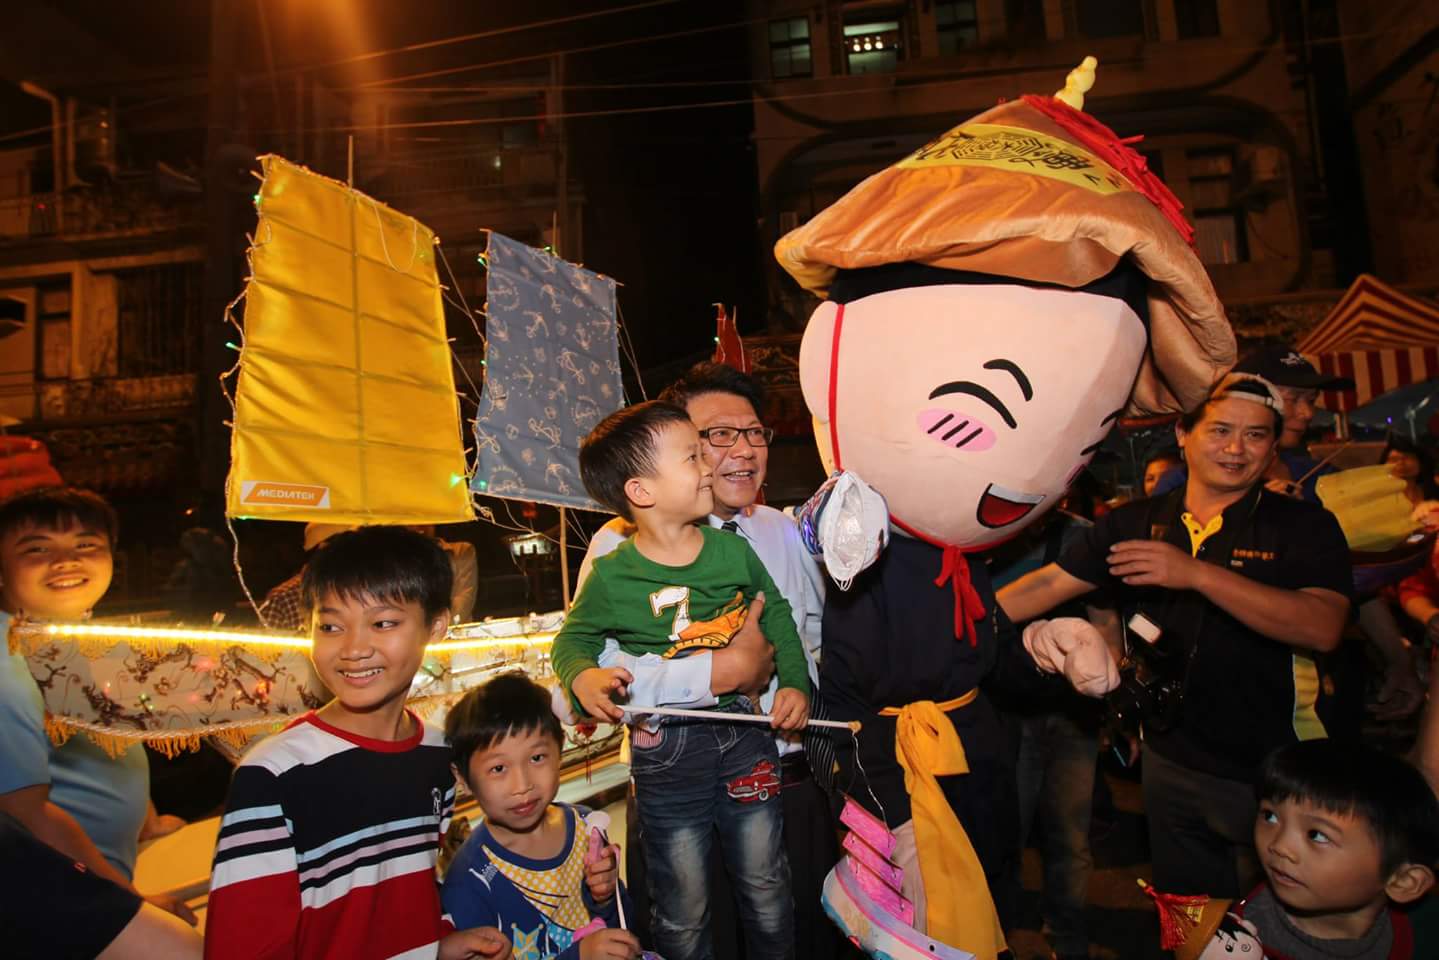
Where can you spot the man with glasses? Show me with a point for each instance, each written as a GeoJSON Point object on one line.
{"type": "Point", "coordinates": [724, 405]}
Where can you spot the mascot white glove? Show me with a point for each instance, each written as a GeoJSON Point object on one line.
{"type": "Point", "coordinates": [1075, 648]}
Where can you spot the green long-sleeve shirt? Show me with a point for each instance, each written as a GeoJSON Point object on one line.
{"type": "Point", "coordinates": [673, 611]}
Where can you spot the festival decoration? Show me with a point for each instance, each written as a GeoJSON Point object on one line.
{"type": "Point", "coordinates": [552, 371]}
{"type": "Point", "coordinates": [346, 410]}
{"type": "Point", "coordinates": [729, 345]}
{"type": "Point", "coordinates": [122, 684]}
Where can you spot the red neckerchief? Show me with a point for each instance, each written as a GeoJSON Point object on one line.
{"type": "Point", "coordinates": [954, 567]}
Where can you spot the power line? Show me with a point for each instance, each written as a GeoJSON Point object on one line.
{"type": "Point", "coordinates": [590, 48]}
{"type": "Point", "coordinates": [481, 35]}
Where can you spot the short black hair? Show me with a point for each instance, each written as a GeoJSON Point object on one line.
{"type": "Point", "coordinates": [509, 704]}
{"type": "Point", "coordinates": [389, 564]}
{"type": "Point", "coordinates": [1354, 779]}
{"type": "Point", "coordinates": [1242, 383]}
{"type": "Point", "coordinates": [710, 377]}
{"type": "Point", "coordinates": [58, 508]}
{"type": "Point", "coordinates": [622, 447]}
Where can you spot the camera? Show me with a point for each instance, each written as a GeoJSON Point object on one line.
{"type": "Point", "coordinates": [1151, 685]}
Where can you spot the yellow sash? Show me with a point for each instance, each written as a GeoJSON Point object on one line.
{"type": "Point", "coordinates": [959, 908]}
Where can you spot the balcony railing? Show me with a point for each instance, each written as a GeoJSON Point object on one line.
{"type": "Point", "coordinates": [111, 210]}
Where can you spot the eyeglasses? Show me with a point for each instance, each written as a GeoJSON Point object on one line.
{"type": "Point", "coordinates": [729, 436]}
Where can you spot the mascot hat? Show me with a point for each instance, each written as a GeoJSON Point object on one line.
{"type": "Point", "coordinates": [1038, 191]}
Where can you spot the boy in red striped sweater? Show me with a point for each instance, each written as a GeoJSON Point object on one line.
{"type": "Point", "coordinates": [332, 827]}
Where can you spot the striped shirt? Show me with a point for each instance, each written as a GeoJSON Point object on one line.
{"type": "Point", "coordinates": [328, 847]}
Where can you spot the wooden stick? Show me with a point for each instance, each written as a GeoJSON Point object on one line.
{"type": "Point", "coordinates": [851, 725]}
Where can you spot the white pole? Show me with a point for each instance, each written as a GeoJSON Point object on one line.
{"type": "Point", "coordinates": [564, 560]}
{"type": "Point", "coordinates": [853, 726]}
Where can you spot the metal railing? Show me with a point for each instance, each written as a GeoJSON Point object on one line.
{"type": "Point", "coordinates": [117, 209]}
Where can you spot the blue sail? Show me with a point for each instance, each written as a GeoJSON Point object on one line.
{"type": "Point", "coordinates": [552, 371]}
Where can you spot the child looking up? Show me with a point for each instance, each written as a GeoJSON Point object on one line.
{"type": "Point", "coordinates": [1345, 834]}
{"type": "Point", "coordinates": [673, 588]}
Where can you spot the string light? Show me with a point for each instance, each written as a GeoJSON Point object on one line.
{"type": "Point", "coordinates": [464, 638]}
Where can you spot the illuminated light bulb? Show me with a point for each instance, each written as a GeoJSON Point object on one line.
{"type": "Point", "coordinates": [868, 45]}
{"type": "Point", "coordinates": [879, 44]}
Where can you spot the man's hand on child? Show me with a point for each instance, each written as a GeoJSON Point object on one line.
{"type": "Point", "coordinates": [602, 875]}
{"type": "Point", "coordinates": [595, 687]}
{"type": "Point", "coordinates": [747, 663]}
{"type": "Point", "coordinates": [485, 942]}
{"type": "Point", "coordinates": [610, 944]}
{"type": "Point", "coordinates": [790, 711]}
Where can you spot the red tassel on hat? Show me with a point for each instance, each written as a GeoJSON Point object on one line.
{"type": "Point", "coordinates": [1107, 145]}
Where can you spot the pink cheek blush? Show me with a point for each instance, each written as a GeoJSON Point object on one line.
{"type": "Point", "coordinates": [956, 430]}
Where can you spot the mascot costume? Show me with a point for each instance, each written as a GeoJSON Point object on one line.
{"type": "Point", "coordinates": [992, 304]}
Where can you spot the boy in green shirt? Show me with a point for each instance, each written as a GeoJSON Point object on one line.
{"type": "Point", "coordinates": [672, 588]}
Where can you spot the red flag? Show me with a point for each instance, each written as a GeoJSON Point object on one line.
{"type": "Point", "coordinates": [729, 348]}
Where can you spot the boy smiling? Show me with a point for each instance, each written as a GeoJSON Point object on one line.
{"type": "Point", "coordinates": [673, 589]}
{"type": "Point", "coordinates": [332, 827]}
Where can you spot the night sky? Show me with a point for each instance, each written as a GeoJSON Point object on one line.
{"type": "Point", "coordinates": [670, 196]}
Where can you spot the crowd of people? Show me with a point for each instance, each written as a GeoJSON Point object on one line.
{"type": "Point", "coordinates": [1225, 595]}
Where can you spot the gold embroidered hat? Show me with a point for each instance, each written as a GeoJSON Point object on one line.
{"type": "Point", "coordinates": [1037, 190]}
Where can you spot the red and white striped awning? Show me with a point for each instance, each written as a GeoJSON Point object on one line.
{"type": "Point", "coordinates": [1378, 337]}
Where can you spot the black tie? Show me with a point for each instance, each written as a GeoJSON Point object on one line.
{"type": "Point", "coordinates": [730, 525]}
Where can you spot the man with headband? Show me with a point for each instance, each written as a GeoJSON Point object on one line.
{"type": "Point", "coordinates": [1233, 589]}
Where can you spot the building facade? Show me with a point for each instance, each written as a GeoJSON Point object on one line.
{"type": "Point", "coordinates": [1217, 88]}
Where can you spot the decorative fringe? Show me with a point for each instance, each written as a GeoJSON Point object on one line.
{"type": "Point", "coordinates": [171, 743]}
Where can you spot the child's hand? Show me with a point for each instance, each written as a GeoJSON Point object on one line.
{"type": "Point", "coordinates": [485, 942]}
{"type": "Point", "coordinates": [610, 944]}
{"type": "Point", "coordinates": [603, 874]}
{"type": "Point", "coordinates": [790, 711]}
{"type": "Point", "coordinates": [594, 687]}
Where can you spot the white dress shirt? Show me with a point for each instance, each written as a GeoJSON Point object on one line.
{"type": "Point", "coordinates": [685, 682]}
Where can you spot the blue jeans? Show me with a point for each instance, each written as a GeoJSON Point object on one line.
{"type": "Point", "coordinates": [699, 776]}
{"type": "Point", "coordinates": [1057, 759]}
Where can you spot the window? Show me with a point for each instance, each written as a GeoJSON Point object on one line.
{"type": "Point", "coordinates": [873, 41]}
{"type": "Point", "coordinates": [1097, 19]}
{"type": "Point", "coordinates": [1220, 235]}
{"type": "Point", "coordinates": [789, 48]}
{"type": "Point", "coordinates": [1196, 18]}
{"type": "Point", "coordinates": [53, 344]}
{"type": "Point", "coordinates": [159, 319]}
{"type": "Point", "coordinates": [1024, 21]}
{"type": "Point", "coordinates": [958, 25]}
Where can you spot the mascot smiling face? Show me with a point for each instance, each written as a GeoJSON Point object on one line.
{"type": "Point", "coordinates": [992, 396]}
{"type": "Point", "coordinates": [993, 303]}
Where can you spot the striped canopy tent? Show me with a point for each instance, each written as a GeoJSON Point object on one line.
{"type": "Point", "coordinates": [1379, 338]}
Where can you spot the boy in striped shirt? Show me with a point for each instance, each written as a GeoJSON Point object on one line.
{"type": "Point", "coordinates": [332, 827]}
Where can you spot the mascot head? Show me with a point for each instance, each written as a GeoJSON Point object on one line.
{"type": "Point", "coordinates": [993, 303]}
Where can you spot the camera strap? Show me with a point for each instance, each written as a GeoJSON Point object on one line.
{"type": "Point", "coordinates": [1185, 612]}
